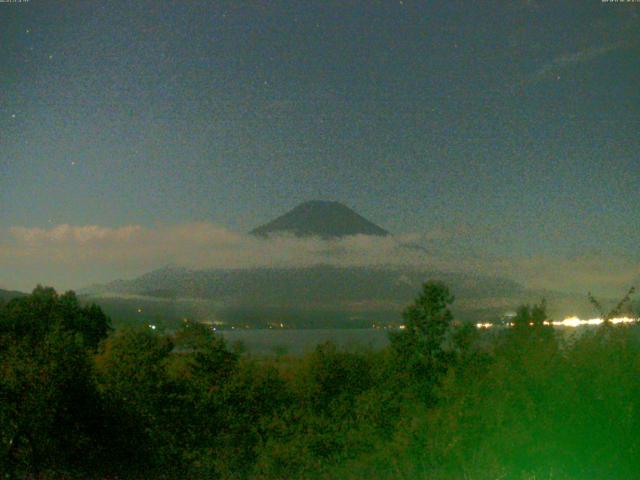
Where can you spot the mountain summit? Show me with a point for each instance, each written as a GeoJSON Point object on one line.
{"type": "Point", "coordinates": [320, 218]}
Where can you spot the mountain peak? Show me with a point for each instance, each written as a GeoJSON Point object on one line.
{"type": "Point", "coordinates": [321, 218]}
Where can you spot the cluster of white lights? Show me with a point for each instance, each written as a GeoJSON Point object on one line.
{"type": "Point", "coordinates": [569, 322]}
{"type": "Point", "coordinates": [576, 322]}
{"type": "Point", "coordinates": [484, 325]}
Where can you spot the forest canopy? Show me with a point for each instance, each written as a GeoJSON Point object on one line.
{"type": "Point", "coordinates": [443, 400]}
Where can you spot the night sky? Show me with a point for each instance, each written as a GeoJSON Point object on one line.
{"type": "Point", "coordinates": [514, 126]}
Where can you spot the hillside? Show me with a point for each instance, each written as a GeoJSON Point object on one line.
{"type": "Point", "coordinates": [6, 295]}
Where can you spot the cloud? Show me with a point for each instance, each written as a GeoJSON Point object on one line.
{"type": "Point", "coordinates": [198, 245]}
{"type": "Point", "coordinates": [68, 256]}
{"type": "Point", "coordinates": [554, 68]}
{"type": "Point", "coordinates": [77, 235]}
{"type": "Point", "coordinates": [603, 274]}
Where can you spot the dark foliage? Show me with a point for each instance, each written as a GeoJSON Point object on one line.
{"type": "Point", "coordinates": [32, 317]}
{"type": "Point", "coordinates": [442, 402]}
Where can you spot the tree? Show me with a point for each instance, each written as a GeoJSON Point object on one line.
{"type": "Point", "coordinates": [132, 367]}
{"type": "Point", "coordinates": [333, 375]}
{"type": "Point", "coordinates": [133, 381]}
{"type": "Point", "coordinates": [32, 317]}
{"type": "Point", "coordinates": [208, 358]}
{"type": "Point", "coordinates": [621, 306]}
{"type": "Point", "coordinates": [49, 407]}
{"type": "Point", "coordinates": [530, 316]}
{"type": "Point", "coordinates": [420, 346]}
{"type": "Point", "coordinates": [49, 404]}
{"type": "Point", "coordinates": [212, 432]}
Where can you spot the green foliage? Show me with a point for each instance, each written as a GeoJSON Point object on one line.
{"type": "Point", "coordinates": [529, 330]}
{"type": "Point", "coordinates": [442, 402]}
{"type": "Point", "coordinates": [331, 375]}
{"type": "Point", "coordinates": [49, 406]}
{"type": "Point", "coordinates": [50, 409]}
{"type": "Point", "coordinates": [32, 317]}
{"type": "Point", "coordinates": [209, 359]}
{"type": "Point", "coordinates": [530, 316]}
{"type": "Point", "coordinates": [421, 347]}
{"type": "Point", "coordinates": [133, 380]}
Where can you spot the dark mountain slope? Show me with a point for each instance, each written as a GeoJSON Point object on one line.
{"type": "Point", "coordinates": [320, 218]}
{"type": "Point", "coordinates": [6, 295]}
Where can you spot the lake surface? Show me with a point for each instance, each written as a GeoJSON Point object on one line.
{"type": "Point", "coordinates": [284, 341]}
{"type": "Point", "coordinates": [291, 341]}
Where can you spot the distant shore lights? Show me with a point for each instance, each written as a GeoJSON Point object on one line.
{"type": "Point", "coordinates": [567, 322]}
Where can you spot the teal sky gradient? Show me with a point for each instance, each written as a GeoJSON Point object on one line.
{"type": "Point", "coordinates": [515, 122]}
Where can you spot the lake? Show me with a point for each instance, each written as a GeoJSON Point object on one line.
{"type": "Point", "coordinates": [291, 341]}
{"type": "Point", "coordinates": [285, 341]}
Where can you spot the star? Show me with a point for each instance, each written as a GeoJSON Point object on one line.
{"type": "Point", "coordinates": [13, 115]}
{"type": "Point", "coordinates": [50, 56]}
{"type": "Point", "coordinates": [73, 163]}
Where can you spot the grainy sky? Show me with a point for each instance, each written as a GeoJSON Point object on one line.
{"type": "Point", "coordinates": [513, 126]}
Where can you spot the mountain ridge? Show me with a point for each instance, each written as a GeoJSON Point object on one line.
{"type": "Point", "coordinates": [6, 295]}
{"type": "Point", "coordinates": [320, 218]}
